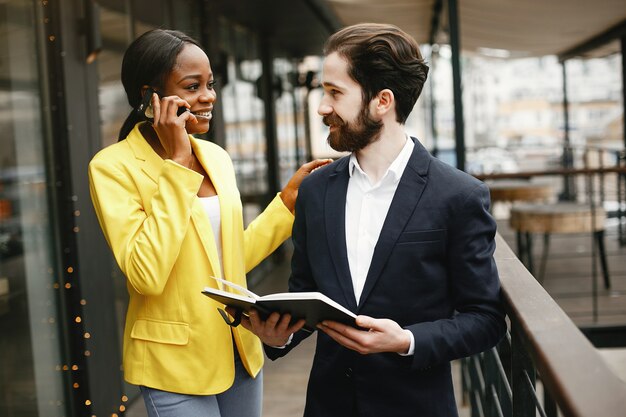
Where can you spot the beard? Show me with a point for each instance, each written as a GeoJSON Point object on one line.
{"type": "Point", "coordinates": [352, 136]}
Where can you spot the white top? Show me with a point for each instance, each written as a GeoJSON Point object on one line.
{"type": "Point", "coordinates": [212, 208]}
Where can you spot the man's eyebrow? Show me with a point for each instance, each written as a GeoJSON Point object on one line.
{"type": "Point", "coordinates": [330, 84]}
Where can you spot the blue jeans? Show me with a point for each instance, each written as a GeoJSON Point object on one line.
{"type": "Point", "coordinates": [243, 399]}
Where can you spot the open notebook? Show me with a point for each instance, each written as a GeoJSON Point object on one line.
{"type": "Point", "coordinates": [314, 307]}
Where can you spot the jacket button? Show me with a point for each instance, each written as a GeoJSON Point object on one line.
{"type": "Point", "coordinates": [348, 372]}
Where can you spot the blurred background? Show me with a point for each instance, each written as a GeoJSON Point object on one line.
{"type": "Point", "coordinates": [526, 95]}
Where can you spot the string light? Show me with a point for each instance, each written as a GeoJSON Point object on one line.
{"type": "Point", "coordinates": [57, 282]}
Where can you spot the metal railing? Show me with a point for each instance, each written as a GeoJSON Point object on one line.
{"type": "Point", "coordinates": [544, 345]}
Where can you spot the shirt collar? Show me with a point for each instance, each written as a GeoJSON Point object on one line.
{"type": "Point", "coordinates": [396, 169]}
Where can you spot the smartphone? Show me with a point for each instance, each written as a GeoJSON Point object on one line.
{"type": "Point", "coordinates": [145, 107]}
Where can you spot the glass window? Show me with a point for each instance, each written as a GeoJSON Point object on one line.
{"type": "Point", "coordinates": [186, 17]}
{"type": "Point", "coordinates": [31, 369]}
{"type": "Point", "coordinates": [288, 127]}
{"type": "Point", "coordinates": [116, 35]}
{"type": "Point", "coordinates": [244, 112]}
{"type": "Point", "coordinates": [150, 14]}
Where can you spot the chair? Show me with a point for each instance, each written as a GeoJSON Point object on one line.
{"type": "Point", "coordinates": [518, 190]}
{"type": "Point", "coordinates": [562, 217]}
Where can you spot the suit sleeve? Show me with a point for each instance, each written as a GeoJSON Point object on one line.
{"type": "Point", "coordinates": [145, 246]}
{"type": "Point", "coordinates": [478, 323]}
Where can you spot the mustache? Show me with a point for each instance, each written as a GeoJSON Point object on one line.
{"type": "Point", "coordinates": [332, 119]}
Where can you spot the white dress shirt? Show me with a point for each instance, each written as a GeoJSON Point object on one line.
{"type": "Point", "coordinates": [367, 205]}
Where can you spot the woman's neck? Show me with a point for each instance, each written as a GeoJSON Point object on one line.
{"type": "Point", "coordinates": [152, 138]}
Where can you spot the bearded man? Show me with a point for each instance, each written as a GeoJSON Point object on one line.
{"type": "Point", "coordinates": [393, 234]}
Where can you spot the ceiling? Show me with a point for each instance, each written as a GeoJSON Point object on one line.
{"type": "Point", "coordinates": [293, 27]}
{"type": "Point", "coordinates": [516, 28]}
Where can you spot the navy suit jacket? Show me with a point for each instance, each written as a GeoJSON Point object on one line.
{"type": "Point", "coordinates": [432, 272]}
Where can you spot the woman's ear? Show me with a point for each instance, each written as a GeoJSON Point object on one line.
{"type": "Point", "coordinates": [143, 89]}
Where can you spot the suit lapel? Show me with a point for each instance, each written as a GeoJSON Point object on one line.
{"type": "Point", "coordinates": [335, 209]}
{"type": "Point", "coordinates": [405, 199]}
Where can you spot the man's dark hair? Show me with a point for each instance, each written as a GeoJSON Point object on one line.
{"type": "Point", "coordinates": [382, 56]}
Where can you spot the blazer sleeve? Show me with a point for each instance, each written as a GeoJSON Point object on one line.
{"type": "Point", "coordinates": [478, 323]}
{"type": "Point", "coordinates": [301, 277]}
{"type": "Point", "coordinates": [144, 245]}
{"type": "Point", "coordinates": [266, 232]}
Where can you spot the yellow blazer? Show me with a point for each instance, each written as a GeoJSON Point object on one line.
{"type": "Point", "coordinates": [161, 237]}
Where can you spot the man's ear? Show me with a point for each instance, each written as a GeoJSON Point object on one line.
{"type": "Point", "coordinates": [385, 101]}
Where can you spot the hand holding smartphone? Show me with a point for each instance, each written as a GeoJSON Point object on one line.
{"type": "Point", "coordinates": [145, 109]}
